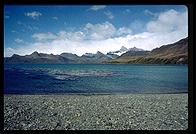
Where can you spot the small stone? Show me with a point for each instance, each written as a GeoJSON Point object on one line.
{"type": "Point", "coordinates": [54, 114]}
{"type": "Point", "coordinates": [23, 124]}
{"type": "Point", "coordinates": [77, 114]}
{"type": "Point", "coordinates": [30, 125]}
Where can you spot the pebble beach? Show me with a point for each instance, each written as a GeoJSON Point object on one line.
{"type": "Point", "coordinates": [96, 112]}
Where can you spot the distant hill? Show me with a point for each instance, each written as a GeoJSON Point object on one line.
{"type": "Point", "coordinates": [135, 49]}
{"type": "Point", "coordinates": [36, 57]}
{"type": "Point", "coordinates": [132, 54]}
{"type": "Point", "coordinates": [95, 58]}
{"type": "Point", "coordinates": [72, 57]}
{"type": "Point", "coordinates": [64, 58]}
{"type": "Point", "coordinates": [176, 53]}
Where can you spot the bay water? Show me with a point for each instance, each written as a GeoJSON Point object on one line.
{"type": "Point", "coordinates": [94, 78]}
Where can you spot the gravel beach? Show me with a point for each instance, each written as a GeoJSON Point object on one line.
{"type": "Point", "coordinates": [96, 112]}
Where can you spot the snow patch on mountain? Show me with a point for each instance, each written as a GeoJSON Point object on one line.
{"type": "Point", "coordinates": [123, 50]}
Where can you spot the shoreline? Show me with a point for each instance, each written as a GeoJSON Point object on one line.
{"type": "Point", "coordinates": [87, 94]}
{"type": "Point", "coordinates": [96, 112]}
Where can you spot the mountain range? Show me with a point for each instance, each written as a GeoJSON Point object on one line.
{"type": "Point", "coordinates": [176, 53]}
{"type": "Point", "coordinates": [123, 49]}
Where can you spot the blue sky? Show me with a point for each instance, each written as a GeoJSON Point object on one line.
{"type": "Point", "coordinates": [90, 28]}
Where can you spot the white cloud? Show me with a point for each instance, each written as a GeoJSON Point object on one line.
{"type": "Point", "coordinates": [74, 36]}
{"type": "Point", "coordinates": [90, 31]}
{"type": "Point", "coordinates": [137, 26]}
{"type": "Point", "coordinates": [27, 27]}
{"type": "Point", "coordinates": [100, 31]}
{"type": "Point", "coordinates": [18, 40]}
{"type": "Point", "coordinates": [44, 36]}
{"type": "Point", "coordinates": [123, 31]}
{"type": "Point", "coordinates": [97, 7]}
{"type": "Point", "coordinates": [33, 15]}
{"type": "Point", "coordinates": [148, 12]}
{"type": "Point", "coordinates": [144, 40]}
{"type": "Point", "coordinates": [109, 14]}
{"type": "Point", "coordinates": [169, 21]}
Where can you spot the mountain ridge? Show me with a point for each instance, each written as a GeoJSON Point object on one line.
{"type": "Point", "coordinates": [176, 53]}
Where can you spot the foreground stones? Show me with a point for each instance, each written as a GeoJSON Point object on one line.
{"type": "Point", "coordinates": [96, 112]}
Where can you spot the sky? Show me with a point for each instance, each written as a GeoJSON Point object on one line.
{"type": "Point", "coordinates": [83, 29]}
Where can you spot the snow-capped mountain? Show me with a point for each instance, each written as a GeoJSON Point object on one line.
{"type": "Point", "coordinates": [123, 50]}
{"type": "Point", "coordinates": [94, 58]}
{"type": "Point", "coordinates": [112, 56]}
{"type": "Point", "coordinates": [118, 52]}
{"type": "Point", "coordinates": [89, 54]}
{"type": "Point", "coordinates": [136, 49]}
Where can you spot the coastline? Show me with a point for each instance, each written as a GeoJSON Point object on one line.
{"type": "Point", "coordinates": [96, 112]}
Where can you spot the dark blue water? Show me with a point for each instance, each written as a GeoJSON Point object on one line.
{"type": "Point", "coordinates": [92, 78]}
